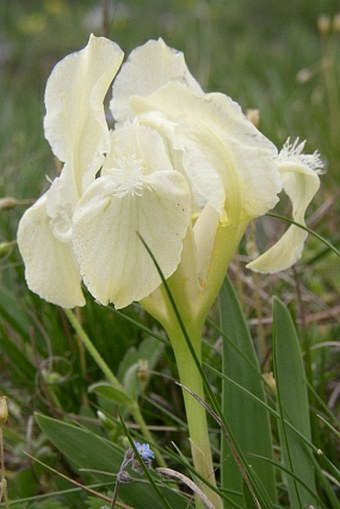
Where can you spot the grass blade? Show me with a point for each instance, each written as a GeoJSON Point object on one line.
{"type": "Point", "coordinates": [12, 313]}
{"type": "Point", "coordinates": [326, 242]}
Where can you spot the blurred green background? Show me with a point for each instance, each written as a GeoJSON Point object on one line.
{"type": "Point", "coordinates": [265, 54]}
{"type": "Point", "coordinates": [282, 58]}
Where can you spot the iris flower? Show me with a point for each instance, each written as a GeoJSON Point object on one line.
{"type": "Point", "coordinates": [180, 171]}
{"type": "Point", "coordinates": [179, 167]}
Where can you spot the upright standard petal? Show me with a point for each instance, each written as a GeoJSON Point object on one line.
{"type": "Point", "coordinates": [226, 144]}
{"type": "Point", "coordinates": [148, 67]}
{"type": "Point", "coordinates": [132, 200]}
{"type": "Point", "coordinates": [75, 123]}
{"type": "Point", "coordinates": [300, 182]}
{"type": "Point", "coordinates": [135, 148]}
{"type": "Point", "coordinates": [51, 269]}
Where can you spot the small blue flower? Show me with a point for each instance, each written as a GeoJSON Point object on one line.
{"type": "Point", "coordinates": [144, 451]}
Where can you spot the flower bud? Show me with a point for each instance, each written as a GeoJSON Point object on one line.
{"type": "Point", "coordinates": [3, 486]}
{"type": "Point", "coordinates": [8, 202]}
{"type": "Point", "coordinates": [270, 381]}
{"type": "Point", "coordinates": [251, 248]}
{"type": "Point", "coordinates": [253, 116]}
{"type": "Point", "coordinates": [143, 370]}
{"type": "Point", "coordinates": [6, 247]}
{"type": "Point", "coordinates": [324, 24]}
{"type": "Point", "coordinates": [106, 421]}
{"type": "Point", "coordinates": [3, 410]}
{"type": "Point", "coordinates": [51, 377]}
{"type": "Point", "coordinates": [304, 75]}
{"type": "Point", "coordinates": [336, 22]}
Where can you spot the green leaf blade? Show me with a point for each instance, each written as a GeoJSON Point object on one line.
{"type": "Point", "coordinates": [293, 406]}
{"type": "Point", "coordinates": [248, 420]}
{"type": "Point", "coordinates": [119, 396]}
{"type": "Point", "coordinates": [89, 451]}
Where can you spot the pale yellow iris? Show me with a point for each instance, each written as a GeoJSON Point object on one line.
{"type": "Point", "coordinates": [181, 167]}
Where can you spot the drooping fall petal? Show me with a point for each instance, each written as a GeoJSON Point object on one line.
{"type": "Point", "coordinates": [300, 182]}
{"type": "Point", "coordinates": [75, 123]}
{"type": "Point", "coordinates": [130, 201]}
{"type": "Point", "coordinates": [51, 269]}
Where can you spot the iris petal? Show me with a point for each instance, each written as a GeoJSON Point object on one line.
{"type": "Point", "coordinates": [148, 67]}
{"type": "Point", "coordinates": [75, 123]}
{"type": "Point", "coordinates": [239, 155]}
{"type": "Point", "coordinates": [138, 194]}
{"type": "Point", "coordinates": [51, 269]}
{"type": "Point", "coordinates": [300, 182]}
{"type": "Point", "coordinates": [114, 263]}
{"type": "Point", "coordinates": [76, 128]}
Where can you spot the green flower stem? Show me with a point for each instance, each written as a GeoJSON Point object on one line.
{"type": "Point", "coordinates": [134, 407]}
{"type": "Point", "coordinates": [188, 295]}
{"type": "Point", "coordinates": [92, 349]}
{"type": "Point", "coordinates": [190, 377]}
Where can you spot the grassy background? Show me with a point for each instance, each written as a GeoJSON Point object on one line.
{"type": "Point", "coordinates": [265, 54]}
